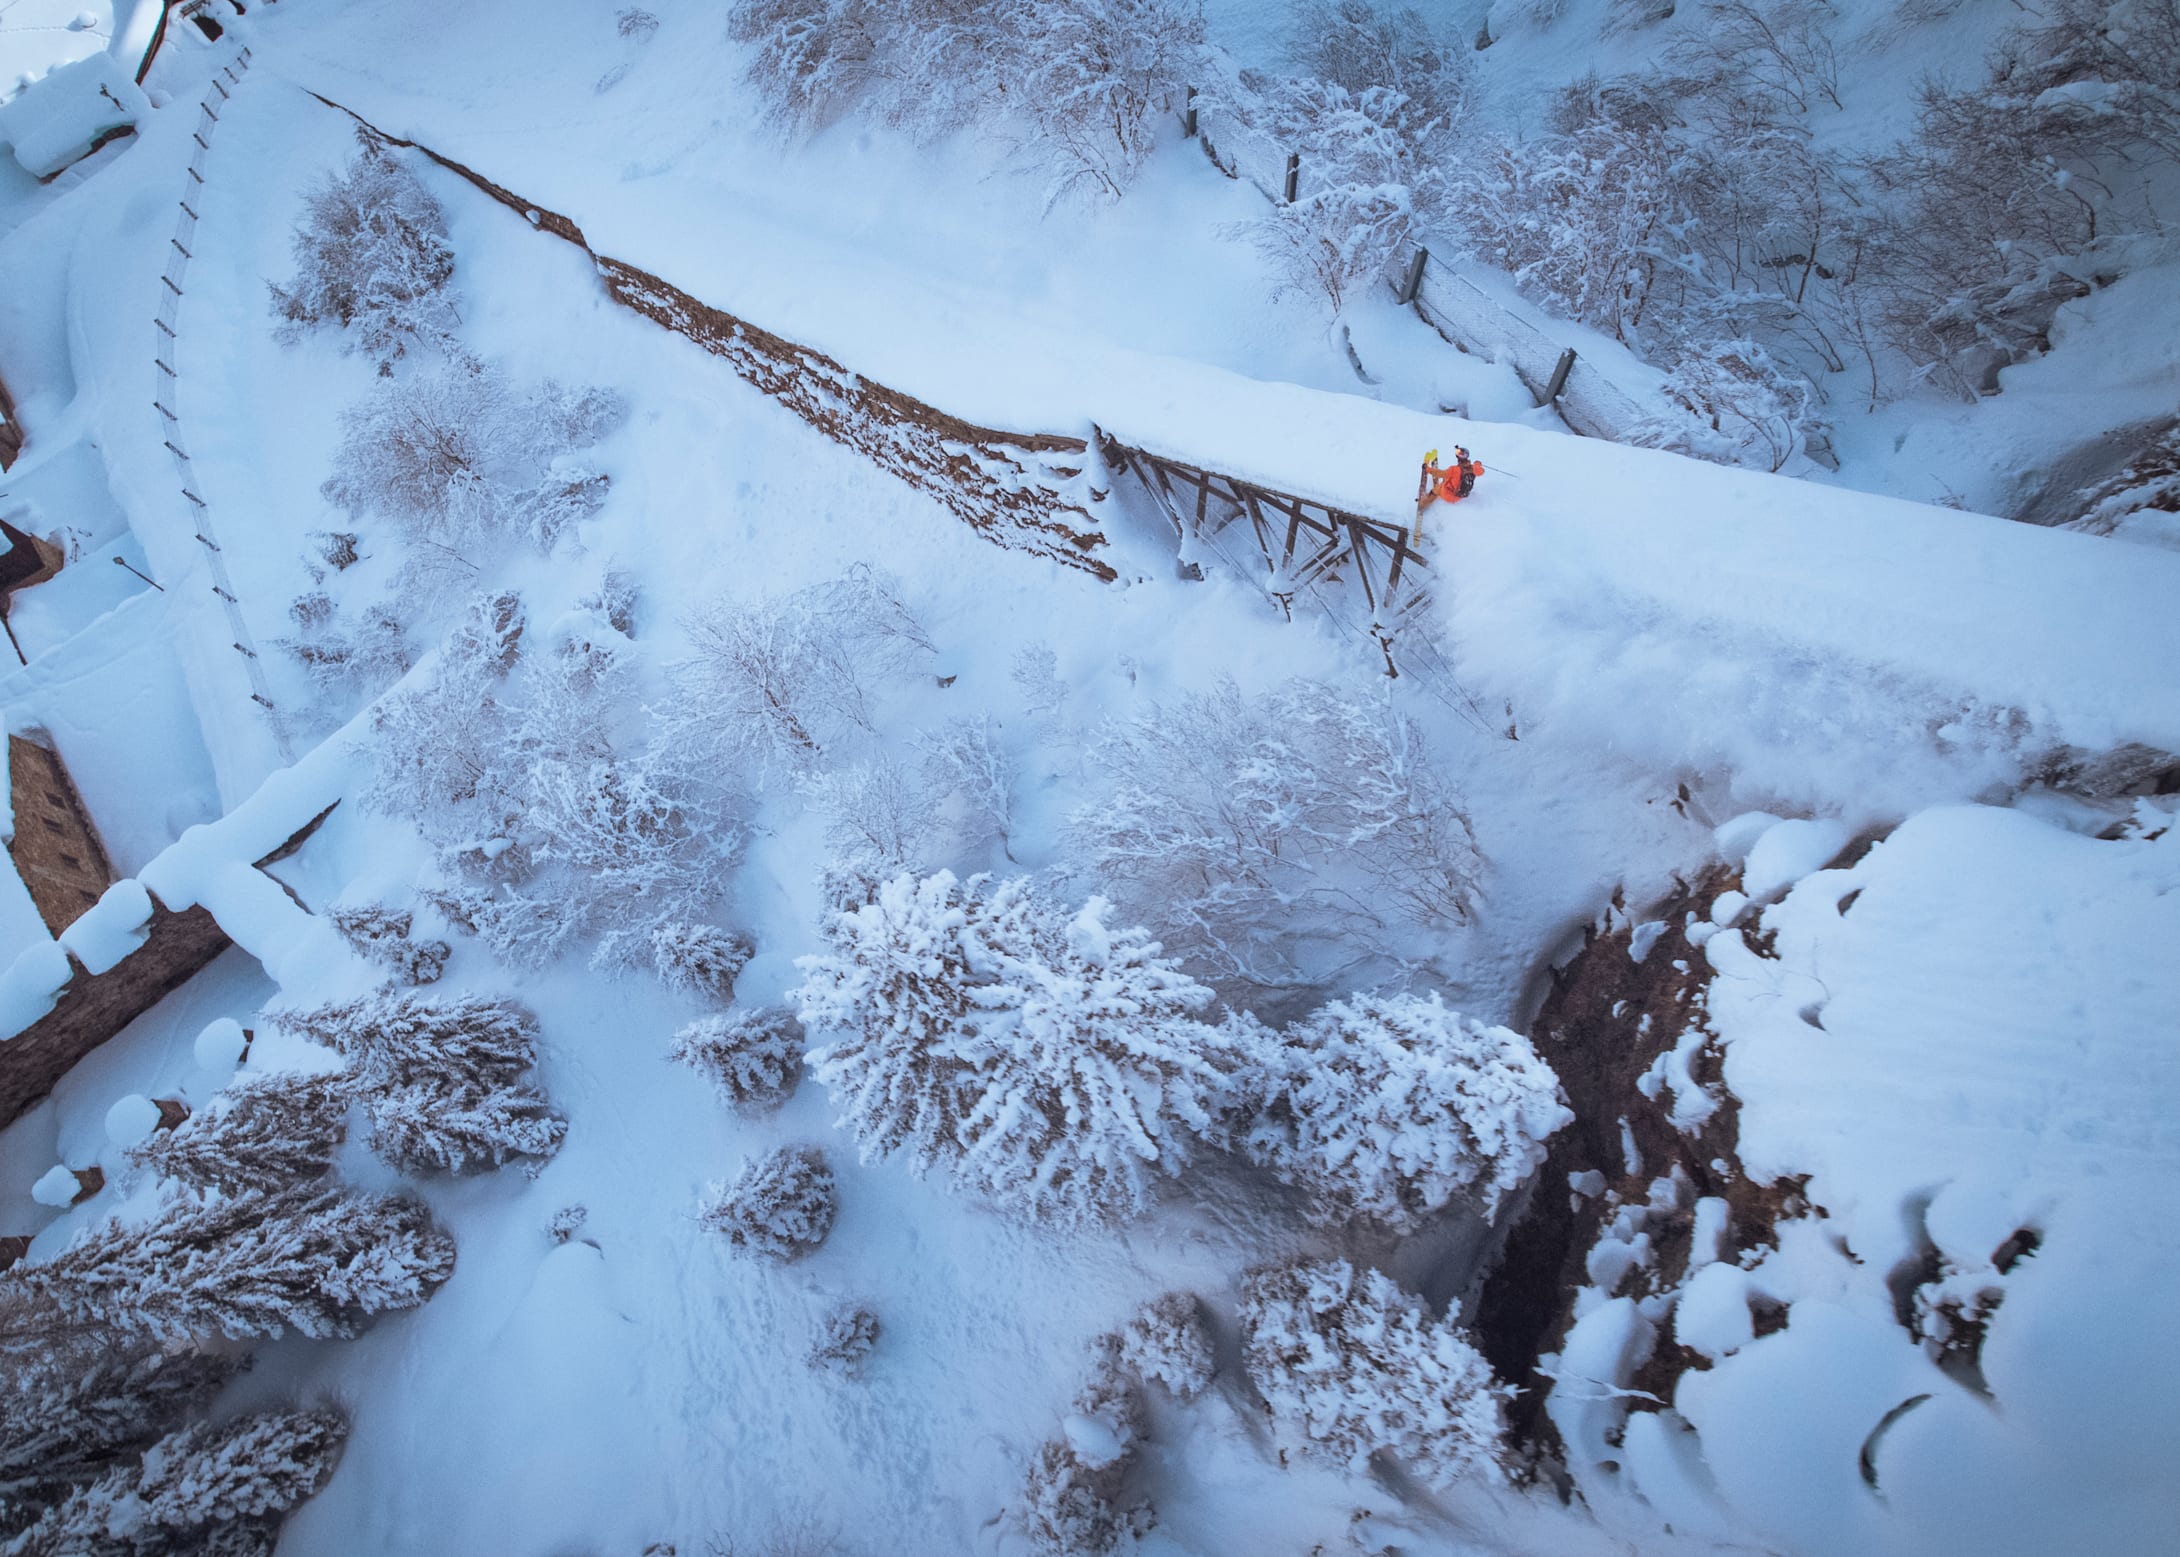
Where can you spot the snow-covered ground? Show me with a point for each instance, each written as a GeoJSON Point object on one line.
{"type": "Point", "coordinates": [1978, 1040]}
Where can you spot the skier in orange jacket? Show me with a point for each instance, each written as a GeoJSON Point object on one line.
{"type": "Point", "coordinates": [1450, 485]}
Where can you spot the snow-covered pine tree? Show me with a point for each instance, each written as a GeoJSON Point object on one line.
{"type": "Point", "coordinates": [779, 1208]}
{"type": "Point", "coordinates": [1351, 1367]}
{"type": "Point", "coordinates": [200, 1492]}
{"type": "Point", "coordinates": [382, 934]}
{"type": "Point", "coordinates": [308, 1259]}
{"type": "Point", "coordinates": [371, 256]}
{"type": "Point", "coordinates": [1166, 1342]}
{"type": "Point", "coordinates": [261, 1133]}
{"type": "Point", "coordinates": [79, 1404]}
{"type": "Point", "coordinates": [753, 1057]}
{"type": "Point", "coordinates": [400, 1037]}
{"type": "Point", "coordinates": [1388, 1107]}
{"type": "Point", "coordinates": [440, 1080]}
{"type": "Point", "coordinates": [1042, 1058]}
{"type": "Point", "coordinates": [427, 1127]}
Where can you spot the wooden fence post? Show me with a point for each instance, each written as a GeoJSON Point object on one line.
{"type": "Point", "coordinates": [1294, 174]}
{"type": "Point", "coordinates": [1560, 370]}
{"type": "Point", "coordinates": [1414, 281]}
{"type": "Point", "coordinates": [1188, 117]}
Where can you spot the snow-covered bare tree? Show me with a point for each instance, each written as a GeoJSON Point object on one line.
{"type": "Point", "coordinates": [382, 934]}
{"type": "Point", "coordinates": [308, 1259]}
{"type": "Point", "coordinates": [1355, 45]}
{"type": "Point", "coordinates": [1166, 1342]}
{"type": "Point", "coordinates": [1352, 1367]}
{"type": "Point", "coordinates": [1095, 75]}
{"type": "Point", "coordinates": [1371, 176]}
{"type": "Point", "coordinates": [753, 1057]}
{"type": "Point", "coordinates": [1244, 829]}
{"type": "Point", "coordinates": [1039, 1056]}
{"type": "Point", "coordinates": [518, 761]}
{"type": "Point", "coordinates": [965, 758]}
{"type": "Point", "coordinates": [457, 457]}
{"type": "Point", "coordinates": [1388, 1107]}
{"type": "Point", "coordinates": [372, 257]}
{"type": "Point", "coordinates": [877, 814]}
{"type": "Point", "coordinates": [778, 682]}
{"type": "Point", "coordinates": [1780, 50]}
{"type": "Point", "coordinates": [846, 1337]}
{"type": "Point", "coordinates": [2020, 192]}
{"type": "Point", "coordinates": [200, 1492]}
{"type": "Point", "coordinates": [261, 1133]}
{"type": "Point", "coordinates": [779, 1208]}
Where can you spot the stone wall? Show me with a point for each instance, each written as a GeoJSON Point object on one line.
{"type": "Point", "coordinates": [55, 848]}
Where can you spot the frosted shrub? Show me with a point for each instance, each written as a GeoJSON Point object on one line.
{"type": "Point", "coordinates": [1353, 1367]}
{"type": "Point", "coordinates": [307, 1259]}
{"type": "Point", "coordinates": [1241, 827]}
{"type": "Point", "coordinates": [1167, 1343]}
{"type": "Point", "coordinates": [699, 959]}
{"type": "Point", "coordinates": [780, 1208]}
{"type": "Point", "coordinates": [1745, 408]}
{"type": "Point", "coordinates": [346, 655]}
{"type": "Point", "coordinates": [1041, 1058]}
{"type": "Point", "coordinates": [381, 934]}
{"type": "Point", "coordinates": [777, 682]}
{"type": "Point", "coordinates": [1777, 49]}
{"type": "Point", "coordinates": [458, 458]}
{"type": "Point", "coordinates": [1391, 1107]}
{"type": "Point", "coordinates": [261, 1133]}
{"type": "Point", "coordinates": [371, 257]}
{"type": "Point", "coordinates": [1035, 672]}
{"type": "Point", "coordinates": [1072, 1491]}
{"type": "Point", "coordinates": [1580, 218]}
{"type": "Point", "coordinates": [845, 1338]}
{"type": "Point", "coordinates": [753, 1057]}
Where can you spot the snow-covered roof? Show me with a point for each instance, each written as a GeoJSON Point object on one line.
{"type": "Point", "coordinates": [36, 36]}
{"type": "Point", "coordinates": [69, 110]}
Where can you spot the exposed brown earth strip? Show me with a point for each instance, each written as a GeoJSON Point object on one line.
{"type": "Point", "coordinates": [1605, 1022]}
{"type": "Point", "coordinates": [1024, 491]}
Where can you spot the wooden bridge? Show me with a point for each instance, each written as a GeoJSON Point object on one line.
{"type": "Point", "coordinates": [1305, 544]}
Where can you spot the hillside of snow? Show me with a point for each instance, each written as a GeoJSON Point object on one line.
{"type": "Point", "coordinates": [904, 1008]}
